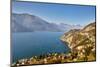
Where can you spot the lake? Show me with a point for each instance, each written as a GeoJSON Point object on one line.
{"type": "Point", "coordinates": [28, 44]}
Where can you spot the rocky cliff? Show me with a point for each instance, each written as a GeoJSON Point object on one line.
{"type": "Point", "coordinates": [82, 42]}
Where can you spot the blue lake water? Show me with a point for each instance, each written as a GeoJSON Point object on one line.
{"type": "Point", "coordinates": [25, 45]}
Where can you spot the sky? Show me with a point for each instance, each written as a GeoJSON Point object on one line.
{"type": "Point", "coordinates": [57, 13]}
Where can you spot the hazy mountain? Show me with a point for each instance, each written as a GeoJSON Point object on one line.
{"type": "Point", "coordinates": [67, 27]}
{"type": "Point", "coordinates": [30, 23]}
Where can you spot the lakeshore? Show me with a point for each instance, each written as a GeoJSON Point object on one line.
{"type": "Point", "coordinates": [54, 58]}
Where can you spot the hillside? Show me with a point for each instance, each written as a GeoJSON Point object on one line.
{"type": "Point", "coordinates": [82, 42]}
{"type": "Point", "coordinates": [31, 23]}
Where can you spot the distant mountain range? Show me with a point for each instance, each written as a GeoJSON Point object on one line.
{"type": "Point", "coordinates": [31, 23]}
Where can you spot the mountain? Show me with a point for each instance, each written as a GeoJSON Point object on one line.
{"type": "Point", "coordinates": [26, 22]}
{"type": "Point", "coordinates": [67, 27]}
{"type": "Point", "coordinates": [30, 23]}
{"type": "Point", "coordinates": [82, 42]}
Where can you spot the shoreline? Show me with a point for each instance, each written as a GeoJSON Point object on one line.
{"type": "Point", "coordinates": [53, 58]}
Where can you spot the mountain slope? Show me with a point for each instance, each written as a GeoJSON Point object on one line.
{"type": "Point", "coordinates": [26, 22]}
{"type": "Point", "coordinates": [82, 41]}
{"type": "Point", "coordinates": [30, 23]}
